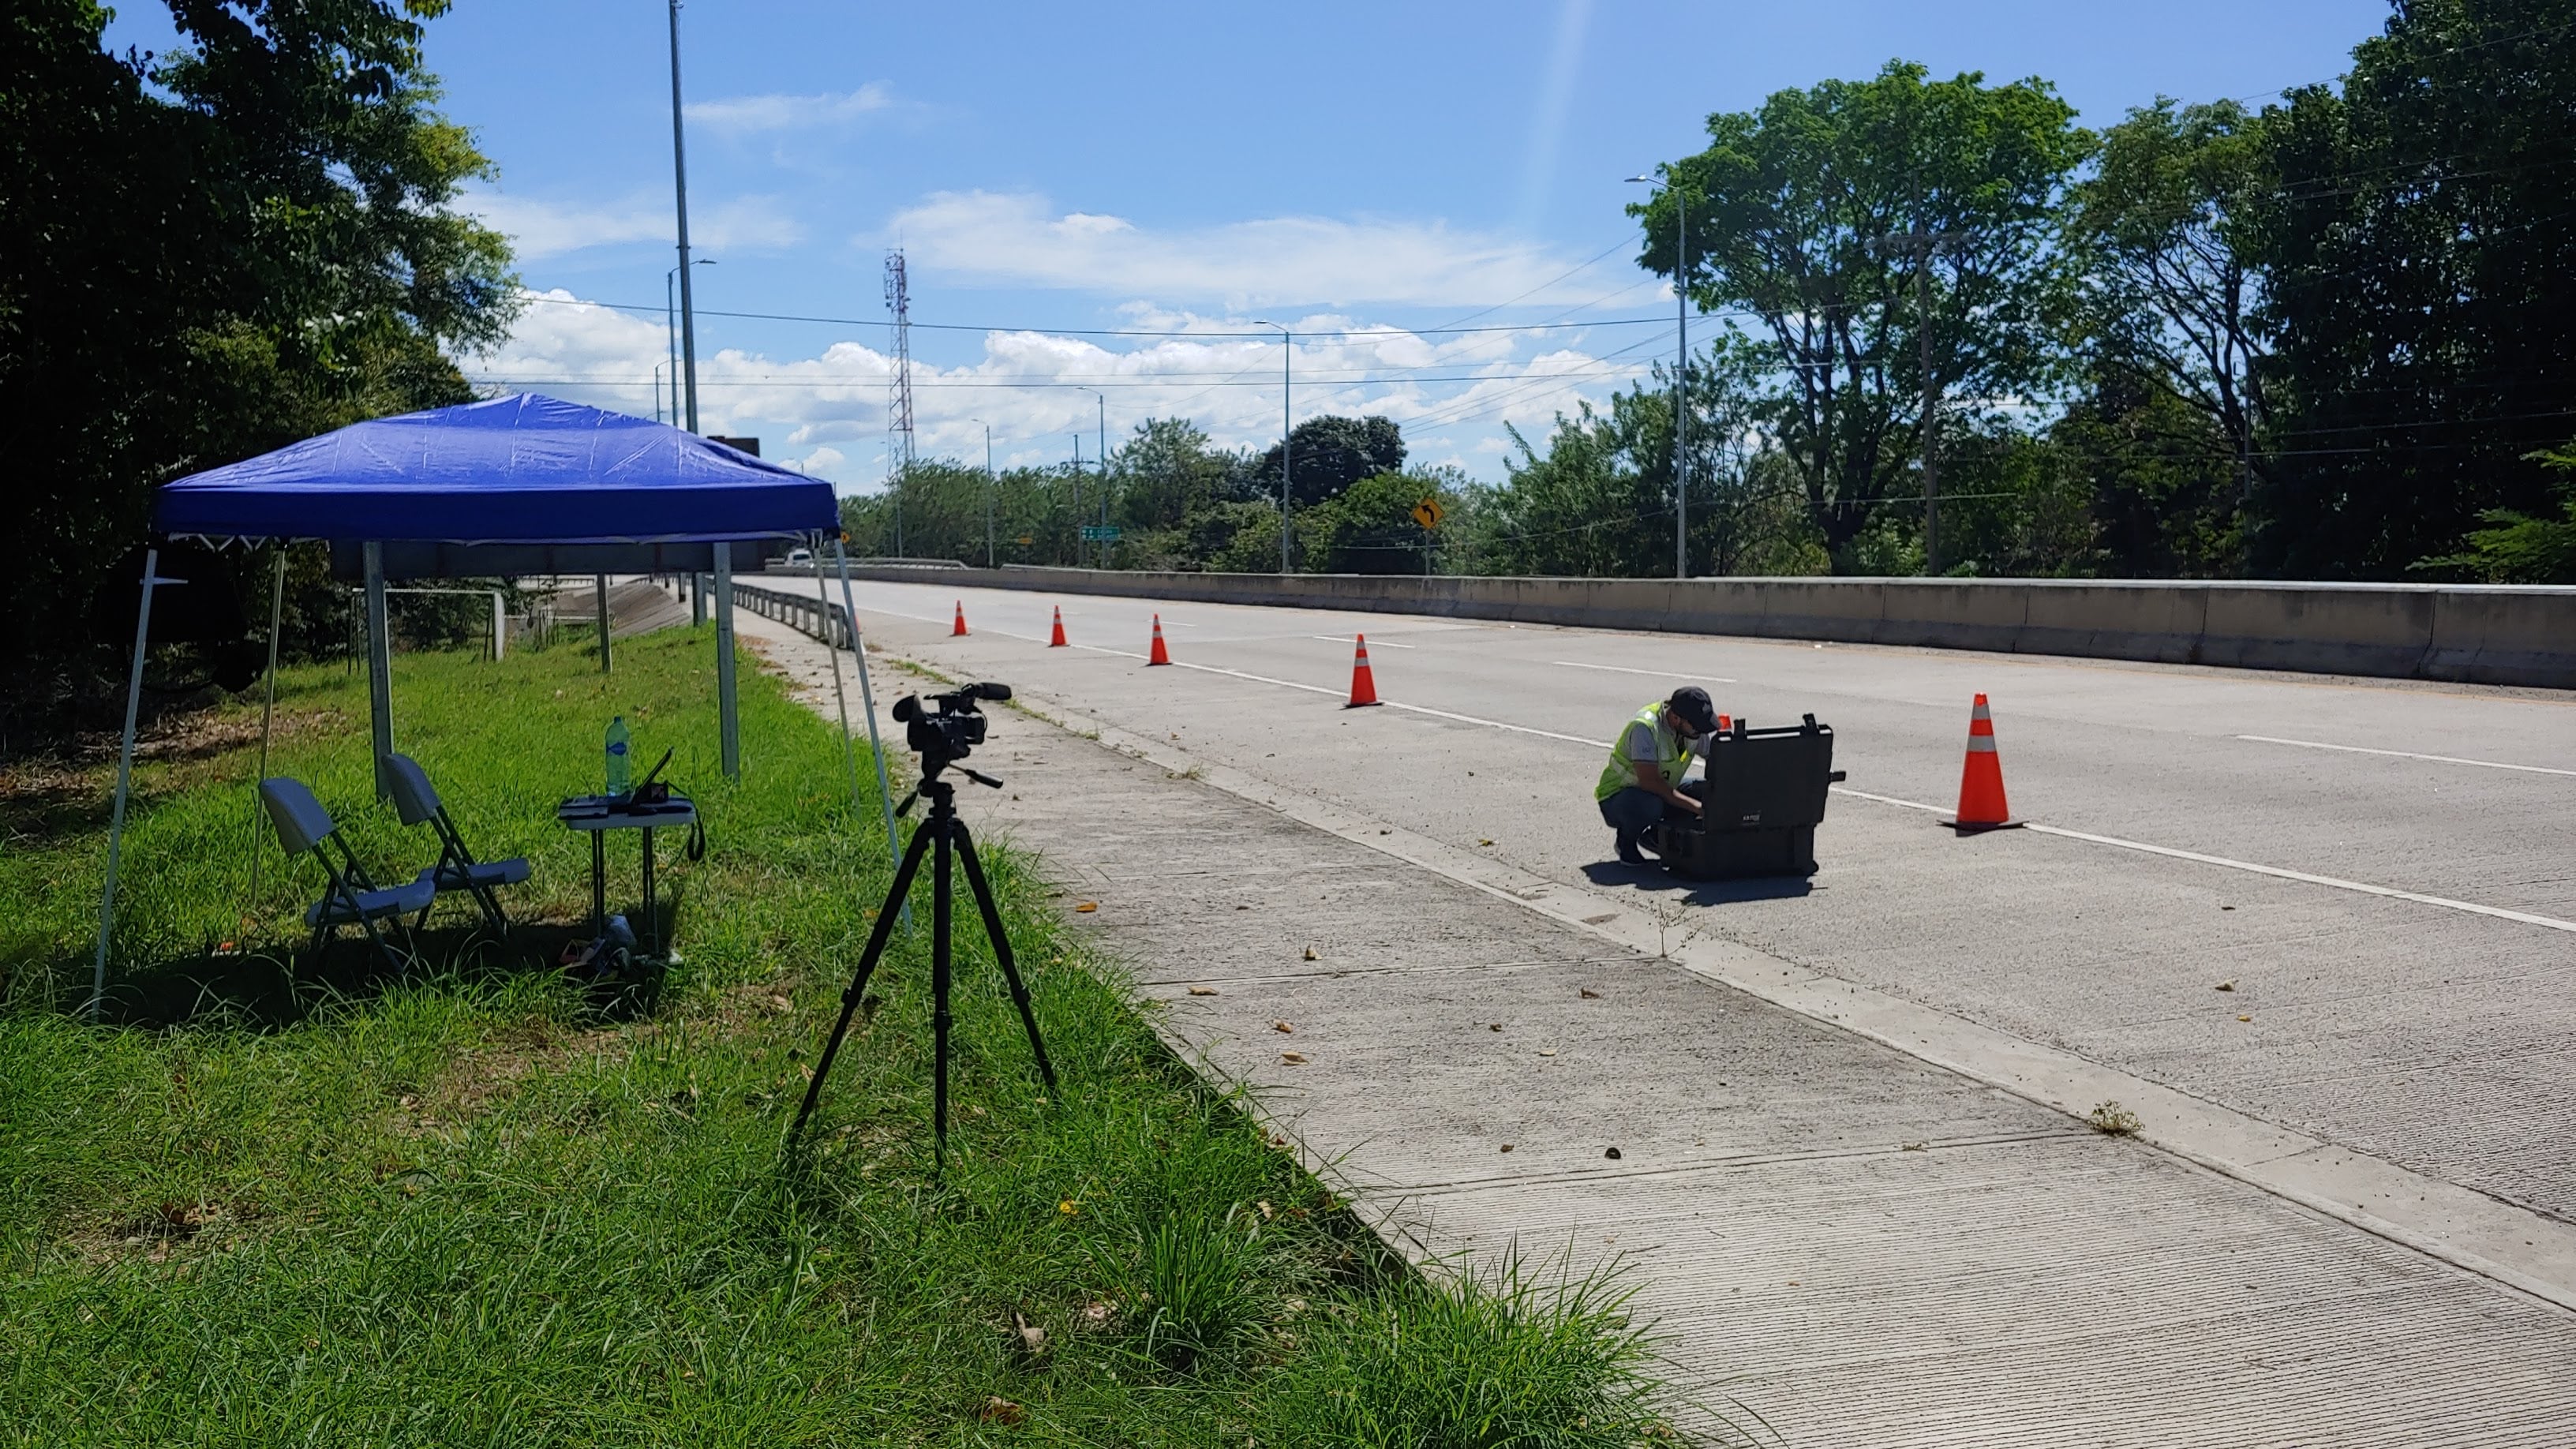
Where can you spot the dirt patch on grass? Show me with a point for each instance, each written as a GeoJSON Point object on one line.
{"type": "Point", "coordinates": [45, 796]}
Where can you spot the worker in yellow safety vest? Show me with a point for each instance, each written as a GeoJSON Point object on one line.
{"type": "Point", "coordinates": [1642, 784]}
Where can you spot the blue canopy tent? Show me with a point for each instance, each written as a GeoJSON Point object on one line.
{"type": "Point", "coordinates": [522, 484]}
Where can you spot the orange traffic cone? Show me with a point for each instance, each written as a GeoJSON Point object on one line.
{"type": "Point", "coordinates": [1981, 779]}
{"type": "Point", "coordinates": [1058, 641]}
{"type": "Point", "coordinates": [958, 629]}
{"type": "Point", "coordinates": [1160, 655]}
{"type": "Point", "coordinates": [1363, 683]}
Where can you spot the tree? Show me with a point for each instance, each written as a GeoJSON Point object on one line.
{"type": "Point", "coordinates": [1798, 213]}
{"type": "Point", "coordinates": [2517, 548]}
{"type": "Point", "coordinates": [1581, 509]}
{"type": "Point", "coordinates": [1370, 528]}
{"type": "Point", "coordinates": [2163, 476]}
{"type": "Point", "coordinates": [1164, 473]}
{"type": "Point", "coordinates": [2172, 295]}
{"type": "Point", "coordinates": [2416, 257]}
{"type": "Point", "coordinates": [1330, 454]}
{"type": "Point", "coordinates": [1600, 500]}
{"type": "Point", "coordinates": [206, 256]}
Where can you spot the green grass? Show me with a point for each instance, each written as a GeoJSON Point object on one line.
{"type": "Point", "coordinates": [486, 1205]}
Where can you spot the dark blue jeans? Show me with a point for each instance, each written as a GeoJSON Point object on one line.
{"type": "Point", "coordinates": [1634, 810]}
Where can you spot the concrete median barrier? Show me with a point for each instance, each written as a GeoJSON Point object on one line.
{"type": "Point", "coordinates": [2482, 634]}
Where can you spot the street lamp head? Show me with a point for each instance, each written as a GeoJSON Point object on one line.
{"type": "Point", "coordinates": [1648, 179]}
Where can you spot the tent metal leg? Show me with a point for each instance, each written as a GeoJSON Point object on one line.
{"type": "Point", "coordinates": [728, 722]}
{"type": "Point", "coordinates": [840, 696]}
{"type": "Point", "coordinates": [868, 702]}
{"type": "Point", "coordinates": [267, 717]}
{"type": "Point", "coordinates": [698, 599]}
{"type": "Point", "coordinates": [599, 596]}
{"type": "Point", "coordinates": [124, 782]}
{"type": "Point", "coordinates": [380, 668]}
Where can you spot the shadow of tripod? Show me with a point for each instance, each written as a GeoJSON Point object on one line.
{"type": "Point", "coordinates": [943, 738]}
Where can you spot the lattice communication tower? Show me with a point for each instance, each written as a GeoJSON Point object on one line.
{"type": "Point", "coordinates": [898, 297]}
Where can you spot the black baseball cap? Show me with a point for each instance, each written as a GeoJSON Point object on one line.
{"type": "Point", "coordinates": [1692, 704]}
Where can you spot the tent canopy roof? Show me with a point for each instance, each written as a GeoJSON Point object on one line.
{"type": "Point", "coordinates": [518, 469]}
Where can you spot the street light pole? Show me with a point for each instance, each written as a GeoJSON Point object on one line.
{"type": "Point", "coordinates": [1681, 378]}
{"type": "Point", "coordinates": [728, 720]}
{"type": "Point", "coordinates": [680, 189]}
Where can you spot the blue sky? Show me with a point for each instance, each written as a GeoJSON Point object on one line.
{"type": "Point", "coordinates": [1336, 167]}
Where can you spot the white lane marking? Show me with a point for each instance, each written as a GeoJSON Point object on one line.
{"type": "Point", "coordinates": [2407, 755]}
{"type": "Point", "coordinates": [1347, 639]}
{"type": "Point", "coordinates": [2278, 873]}
{"type": "Point", "coordinates": [1650, 673]}
{"type": "Point", "coordinates": [1492, 724]}
{"type": "Point", "coordinates": [1391, 704]}
{"type": "Point", "coordinates": [1258, 678]}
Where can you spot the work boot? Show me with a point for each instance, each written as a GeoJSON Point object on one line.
{"type": "Point", "coordinates": [1629, 853]}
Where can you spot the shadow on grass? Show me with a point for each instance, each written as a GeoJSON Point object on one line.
{"type": "Point", "coordinates": [269, 990]}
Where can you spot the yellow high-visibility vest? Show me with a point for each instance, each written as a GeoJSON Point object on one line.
{"type": "Point", "coordinates": [1672, 756]}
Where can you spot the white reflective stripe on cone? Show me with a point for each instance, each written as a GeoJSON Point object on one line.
{"type": "Point", "coordinates": [1981, 744]}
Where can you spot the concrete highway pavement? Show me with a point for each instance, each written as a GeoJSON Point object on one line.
{"type": "Point", "coordinates": [2408, 999]}
{"type": "Point", "coordinates": [1859, 1246]}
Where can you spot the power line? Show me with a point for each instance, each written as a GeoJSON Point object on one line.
{"type": "Point", "coordinates": [796, 380]}
{"type": "Point", "coordinates": [1388, 330]}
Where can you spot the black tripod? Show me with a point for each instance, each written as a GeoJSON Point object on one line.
{"type": "Point", "coordinates": [948, 833]}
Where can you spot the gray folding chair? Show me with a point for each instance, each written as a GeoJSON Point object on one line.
{"type": "Point", "coordinates": [354, 899]}
{"type": "Point", "coordinates": [417, 802]}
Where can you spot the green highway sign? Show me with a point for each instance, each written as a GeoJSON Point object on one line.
{"type": "Point", "coordinates": [1099, 533]}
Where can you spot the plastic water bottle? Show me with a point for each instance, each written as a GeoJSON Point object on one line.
{"type": "Point", "coordinates": [617, 755]}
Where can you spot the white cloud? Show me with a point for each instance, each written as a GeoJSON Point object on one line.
{"type": "Point", "coordinates": [752, 115]}
{"type": "Point", "coordinates": [827, 411]}
{"type": "Point", "coordinates": [541, 228]}
{"type": "Point", "coordinates": [1016, 240]}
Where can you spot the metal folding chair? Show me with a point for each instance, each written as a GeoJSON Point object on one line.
{"type": "Point", "coordinates": [355, 899]}
{"type": "Point", "coordinates": [417, 802]}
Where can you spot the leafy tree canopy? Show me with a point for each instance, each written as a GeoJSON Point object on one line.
{"type": "Point", "coordinates": [1329, 454]}
{"type": "Point", "coordinates": [1824, 211]}
{"type": "Point", "coordinates": [209, 254]}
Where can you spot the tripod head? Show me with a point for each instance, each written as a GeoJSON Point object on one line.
{"type": "Point", "coordinates": [944, 735]}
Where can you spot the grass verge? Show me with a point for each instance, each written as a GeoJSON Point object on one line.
{"type": "Point", "coordinates": [283, 1199]}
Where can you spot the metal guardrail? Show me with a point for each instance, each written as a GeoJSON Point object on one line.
{"type": "Point", "coordinates": [801, 612]}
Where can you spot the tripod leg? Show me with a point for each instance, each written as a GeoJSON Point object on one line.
{"type": "Point", "coordinates": [942, 893]}
{"type": "Point", "coordinates": [895, 895]}
{"type": "Point", "coordinates": [1002, 949]}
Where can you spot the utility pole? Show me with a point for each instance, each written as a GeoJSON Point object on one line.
{"type": "Point", "coordinates": [989, 485]}
{"type": "Point", "coordinates": [1075, 477]}
{"type": "Point", "coordinates": [1681, 385]}
{"type": "Point", "coordinates": [1100, 464]}
{"type": "Point", "coordinates": [1920, 244]}
{"type": "Point", "coordinates": [1931, 413]}
{"type": "Point", "coordinates": [1681, 376]}
{"type": "Point", "coordinates": [1287, 356]}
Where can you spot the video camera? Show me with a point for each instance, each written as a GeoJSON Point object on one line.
{"type": "Point", "coordinates": [950, 729]}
